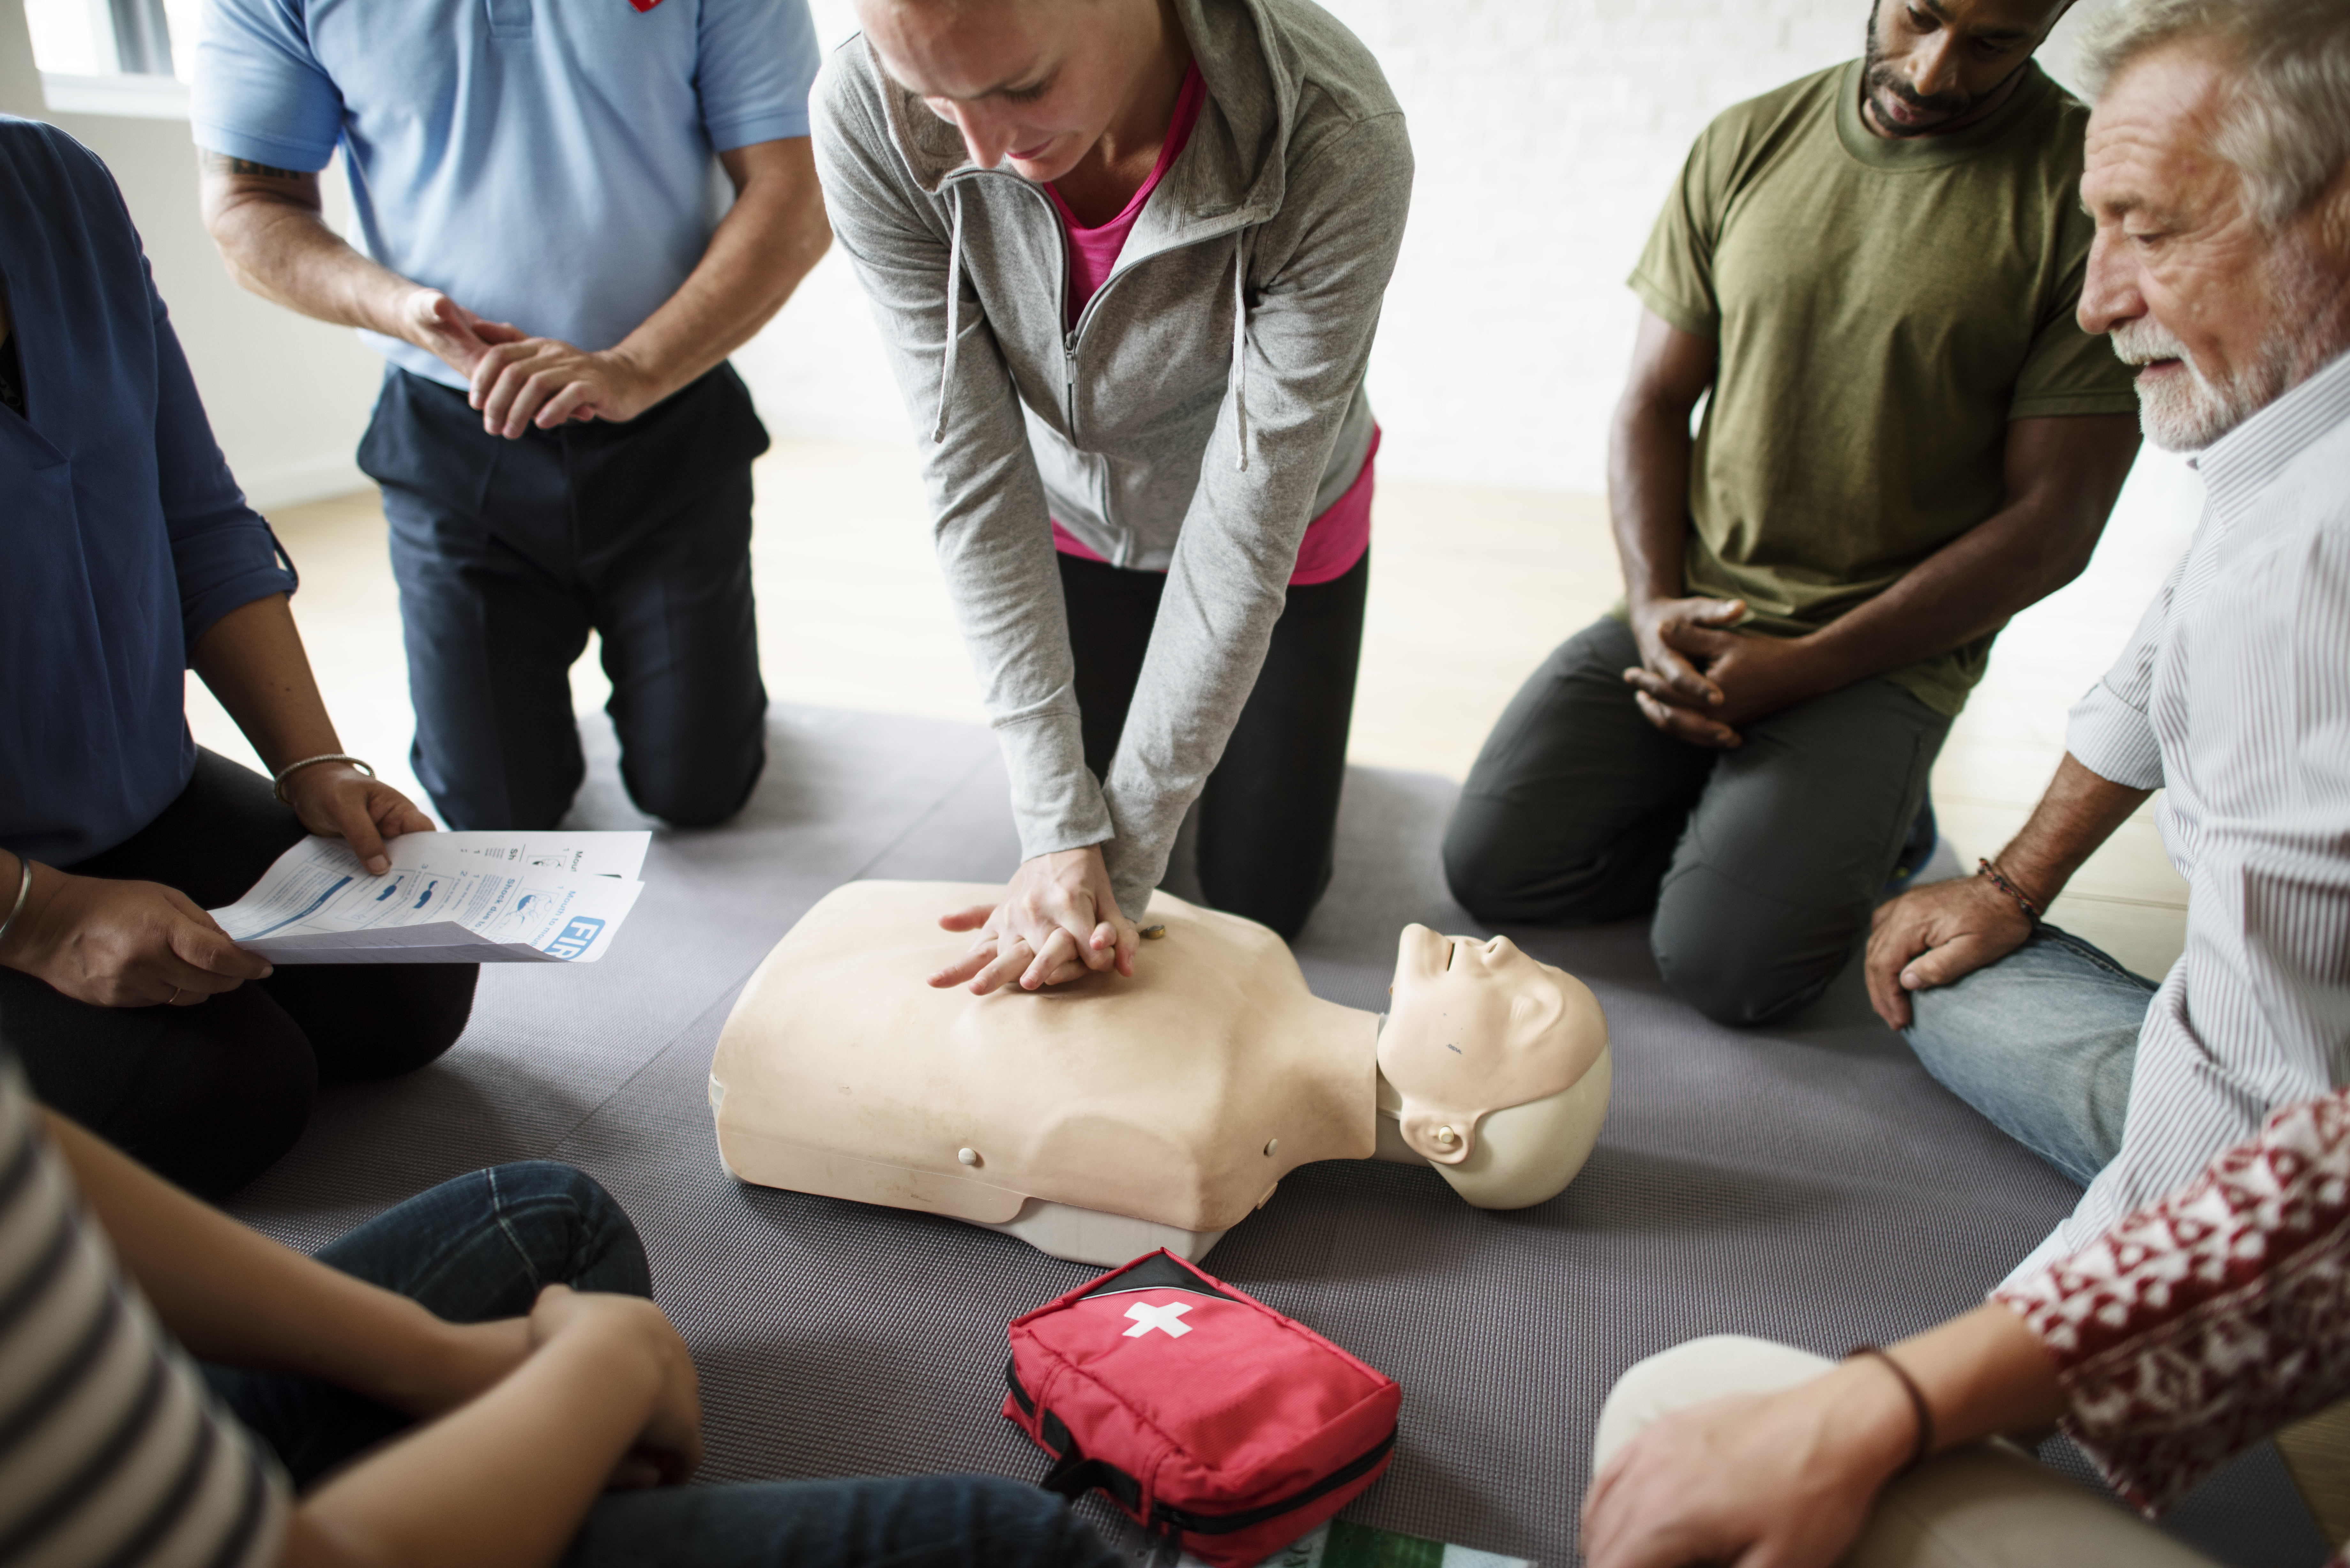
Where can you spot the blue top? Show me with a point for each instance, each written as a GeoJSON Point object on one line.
{"type": "Point", "coordinates": [125, 538]}
{"type": "Point", "coordinates": [545, 162]}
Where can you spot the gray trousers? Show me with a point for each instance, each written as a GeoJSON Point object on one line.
{"type": "Point", "coordinates": [1761, 865]}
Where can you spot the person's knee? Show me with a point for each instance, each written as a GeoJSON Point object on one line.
{"type": "Point", "coordinates": [219, 1106]}
{"type": "Point", "coordinates": [1490, 871]}
{"type": "Point", "coordinates": [571, 1230]}
{"type": "Point", "coordinates": [691, 787]}
{"type": "Point", "coordinates": [1742, 960]}
{"type": "Point", "coordinates": [366, 1024]}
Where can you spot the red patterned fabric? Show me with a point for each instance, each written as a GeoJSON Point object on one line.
{"type": "Point", "coordinates": [2204, 1322]}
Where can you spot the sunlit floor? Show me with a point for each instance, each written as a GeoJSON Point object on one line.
{"type": "Point", "coordinates": [1470, 589]}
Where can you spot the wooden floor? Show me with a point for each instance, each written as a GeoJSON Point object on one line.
{"type": "Point", "coordinates": [1470, 589]}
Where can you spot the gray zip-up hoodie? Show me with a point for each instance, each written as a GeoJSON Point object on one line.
{"type": "Point", "coordinates": [1208, 405]}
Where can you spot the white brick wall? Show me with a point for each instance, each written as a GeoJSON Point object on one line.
{"type": "Point", "coordinates": [1547, 133]}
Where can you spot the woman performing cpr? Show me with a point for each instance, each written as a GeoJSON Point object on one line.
{"type": "Point", "coordinates": [1128, 257]}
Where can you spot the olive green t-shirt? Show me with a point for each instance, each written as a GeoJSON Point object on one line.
{"type": "Point", "coordinates": [1883, 309]}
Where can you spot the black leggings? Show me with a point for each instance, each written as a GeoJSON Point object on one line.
{"type": "Point", "coordinates": [210, 1096]}
{"type": "Point", "coordinates": [1268, 819]}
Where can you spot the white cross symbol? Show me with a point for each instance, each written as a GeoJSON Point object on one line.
{"type": "Point", "coordinates": [1148, 1317]}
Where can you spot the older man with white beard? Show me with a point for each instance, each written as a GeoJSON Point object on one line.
{"type": "Point", "coordinates": [2217, 176]}
{"type": "Point", "coordinates": [2194, 1302]}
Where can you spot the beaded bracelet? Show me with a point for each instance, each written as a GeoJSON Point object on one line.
{"type": "Point", "coordinates": [1999, 881]}
{"type": "Point", "coordinates": [1925, 1445]}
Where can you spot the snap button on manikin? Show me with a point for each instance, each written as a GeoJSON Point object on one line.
{"type": "Point", "coordinates": [968, 1156]}
{"type": "Point", "coordinates": [1447, 1136]}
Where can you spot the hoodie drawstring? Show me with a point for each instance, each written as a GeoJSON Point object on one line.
{"type": "Point", "coordinates": [954, 303]}
{"type": "Point", "coordinates": [1239, 341]}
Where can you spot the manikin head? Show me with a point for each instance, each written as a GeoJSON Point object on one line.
{"type": "Point", "coordinates": [1497, 1064]}
{"type": "Point", "coordinates": [2218, 175]}
{"type": "Point", "coordinates": [1032, 83]}
{"type": "Point", "coordinates": [1936, 65]}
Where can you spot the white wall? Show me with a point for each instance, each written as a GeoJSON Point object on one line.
{"type": "Point", "coordinates": [287, 396]}
{"type": "Point", "coordinates": [1546, 133]}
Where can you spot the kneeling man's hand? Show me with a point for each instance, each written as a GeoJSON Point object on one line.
{"type": "Point", "coordinates": [1701, 682]}
{"type": "Point", "coordinates": [124, 944]}
{"type": "Point", "coordinates": [1058, 920]}
{"type": "Point", "coordinates": [1937, 935]}
{"type": "Point", "coordinates": [544, 381]}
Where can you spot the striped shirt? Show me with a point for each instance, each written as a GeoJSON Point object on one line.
{"type": "Point", "coordinates": [111, 1450]}
{"type": "Point", "coordinates": [2233, 698]}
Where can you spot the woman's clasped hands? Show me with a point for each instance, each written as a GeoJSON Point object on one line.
{"type": "Point", "coordinates": [1058, 920]}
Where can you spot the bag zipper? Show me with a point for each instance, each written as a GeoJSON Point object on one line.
{"type": "Point", "coordinates": [1163, 1516]}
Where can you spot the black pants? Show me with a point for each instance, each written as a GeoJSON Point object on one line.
{"type": "Point", "coordinates": [211, 1095]}
{"type": "Point", "coordinates": [508, 553]}
{"type": "Point", "coordinates": [1762, 864]}
{"type": "Point", "coordinates": [1268, 820]}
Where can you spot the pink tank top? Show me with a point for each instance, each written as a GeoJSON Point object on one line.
{"type": "Point", "coordinates": [1335, 540]}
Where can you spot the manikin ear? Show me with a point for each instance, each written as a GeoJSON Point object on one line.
{"type": "Point", "coordinates": [1527, 1153]}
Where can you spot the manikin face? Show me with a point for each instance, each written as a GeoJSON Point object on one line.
{"type": "Point", "coordinates": [1031, 83]}
{"type": "Point", "coordinates": [1476, 1027]}
{"type": "Point", "coordinates": [2223, 315]}
{"type": "Point", "coordinates": [1937, 64]}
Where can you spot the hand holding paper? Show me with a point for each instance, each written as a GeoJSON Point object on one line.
{"type": "Point", "coordinates": [449, 898]}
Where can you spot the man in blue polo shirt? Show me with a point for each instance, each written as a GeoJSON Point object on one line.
{"type": "Point", "coordinates": [561, 445]}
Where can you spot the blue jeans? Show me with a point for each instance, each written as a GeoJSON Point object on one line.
{"type": "Point", "coordinates": [2042, 1042]}
{"type": "Point", "coordinates": [482, 1246]}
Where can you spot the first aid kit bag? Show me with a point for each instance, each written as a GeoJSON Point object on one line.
{"type": "Point", "coordinates": [1207, 1416]}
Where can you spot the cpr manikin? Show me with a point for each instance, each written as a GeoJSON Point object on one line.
{"type": "Point", "coordinates": [1111, 1114]}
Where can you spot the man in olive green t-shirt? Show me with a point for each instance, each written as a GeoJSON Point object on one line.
{"type": "Point", "coordinates": [1872, 272]}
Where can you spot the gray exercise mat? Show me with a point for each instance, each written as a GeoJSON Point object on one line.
{"type": "Point", "coordinates": [1808, 1183]}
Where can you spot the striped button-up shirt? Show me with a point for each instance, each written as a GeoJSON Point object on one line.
{"type": "Point", "coordinates": [2233, 698]}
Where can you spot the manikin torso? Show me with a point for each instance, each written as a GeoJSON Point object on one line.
{"type": "Point", "coordinates": [1112, 1115]}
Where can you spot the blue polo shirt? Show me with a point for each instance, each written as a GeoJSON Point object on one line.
{"type": "Point", "coordinates": [545, 162]}
{"type": "Point", "coordinates": [123, 536]}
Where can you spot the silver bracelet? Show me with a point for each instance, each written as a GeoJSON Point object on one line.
{"type": "Point", "coordinates": [23, 889]}
{"type": "Point", "coordinates": [277, 787]}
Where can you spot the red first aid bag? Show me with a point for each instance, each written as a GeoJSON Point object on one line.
{"type": "Point", "coordinates": [1207, 1416]}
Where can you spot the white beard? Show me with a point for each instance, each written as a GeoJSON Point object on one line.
{"type": "Point", "coordinates": [2189, 414]}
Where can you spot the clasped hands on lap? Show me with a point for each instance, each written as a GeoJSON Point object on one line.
{"type": "Point", "coordinates": [1701, 680]}
{"type": "Point", "coordinates": [1058, 920]}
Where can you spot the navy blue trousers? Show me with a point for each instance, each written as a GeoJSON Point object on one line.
{"type": "Point", "coordinates": [508, 553]}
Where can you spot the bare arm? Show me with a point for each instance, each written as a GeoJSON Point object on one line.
{"type": "Point", "coordinates": [115, 943]}
{"type": "Point", "coordinates": [766, 243]}
{"type": "Point", "coordinates": [253, 661]}
{"type": "Point", "coordinates": [2062, 476]}
{"type": "Point", "coordinates": [270, 226]}
{"type": "Point", "coordinates": [1940, 934]}
{"type": "Point", "coordinates": [1648, 454]}
{"type": "Point", "coordinates": [1789, 1477]}
{"type": "Point", "coordinates": [535, 1414]}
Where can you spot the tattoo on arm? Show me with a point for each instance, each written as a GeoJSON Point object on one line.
{"type": "Point", "coordinates": [221, 164]}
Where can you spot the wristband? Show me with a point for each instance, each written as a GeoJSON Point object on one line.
{"type": "Point", "coordinates": [1925, 1444]}
{"type": "Point", "coordinates": [24, 889]}
{"type": "Point", "coordinates": [278, 785]}
{"type": "Point", "coordinates": [1999, 881]}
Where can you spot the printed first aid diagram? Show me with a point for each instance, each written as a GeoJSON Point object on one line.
{"type": "Point", "coordinates": [449, 898]}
